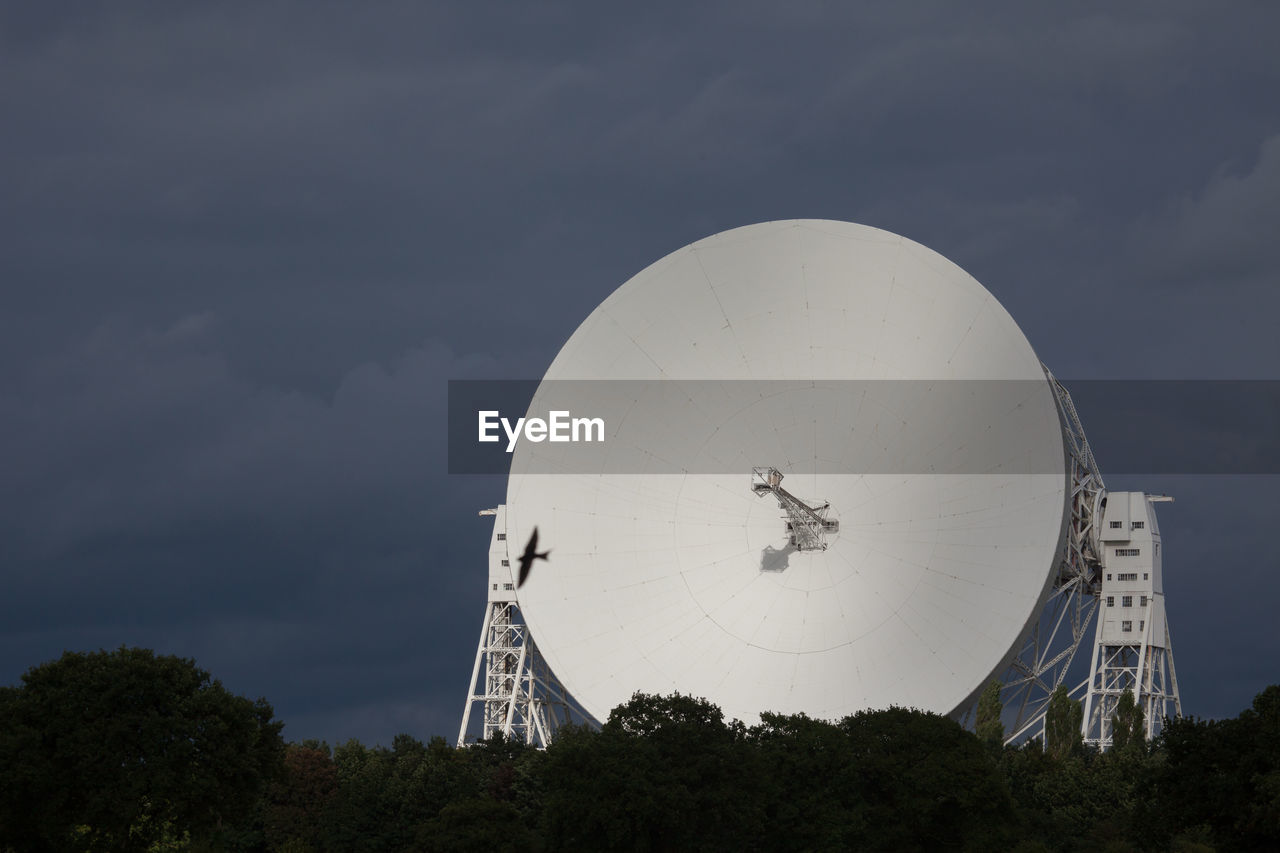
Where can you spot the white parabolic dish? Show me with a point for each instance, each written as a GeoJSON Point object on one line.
{"type": "Point", "coordinates": [656, 580]}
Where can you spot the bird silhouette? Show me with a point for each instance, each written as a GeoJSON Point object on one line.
{"type": "Point", "coordinates": [530, 554]}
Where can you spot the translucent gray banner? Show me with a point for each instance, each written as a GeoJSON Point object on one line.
{"type": "Point", "coordinates": [858, 426]}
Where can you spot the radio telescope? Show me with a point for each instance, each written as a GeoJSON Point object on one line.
{"type": "Point", "coordinates": [834, 476]}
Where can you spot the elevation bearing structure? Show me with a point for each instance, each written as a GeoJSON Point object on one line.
{"type": "Point", "coordinates": [1105, 533]}
{"type": "Point", "coordinates": [511, 685]}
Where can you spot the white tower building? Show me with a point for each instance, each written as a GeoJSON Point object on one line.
{"type": "Point", "coordinates": [1133, 649]}
{"type": "Point", "coordinates": [515, 689]}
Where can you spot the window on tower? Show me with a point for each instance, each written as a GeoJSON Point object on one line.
{"type": "Point", "coordinates": [1126, 601]}
{"type": "Point", "coordinates": [1126, 625]}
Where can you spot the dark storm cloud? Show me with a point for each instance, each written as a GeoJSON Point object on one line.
{"type": "Point", "coordinates": [137, 429]}
{"type": "Point", "coordinates": [245, 246]}
{"type": "Point", "coordinates": [153, 497]}
{"type": "Point", "coordinates": [1222, 235]}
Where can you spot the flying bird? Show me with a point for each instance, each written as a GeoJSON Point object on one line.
{"type": "Point", "coordinates": [530, 554]}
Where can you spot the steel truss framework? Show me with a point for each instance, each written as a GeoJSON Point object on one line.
{"type": "Point", "coordinates": [519, 697]}
{"type": "Point", "coordinates": [1146, 671]}
{"type": "Point", "coordinates": [807, 526]}
{"type": "Point", "coordinates": [1043, 661]}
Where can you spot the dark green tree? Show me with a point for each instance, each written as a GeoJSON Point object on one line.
{"type": "Point", "coordinates": [987, 724]}
{"type": "Point", "coordinates": [1084, 801]}
{"type": "Point", "coordinates": [1062, 719]}
{"type": "Point", "coordinates": [478, 824]}
{"type": "Point", "coordinates": [663, 773]}
{"type": "Point", "coordinates": [1260, 726]}
{"type": "Point", "coordinates": [1196, 781]}
{"type": "Point", "coordinates": [391, 799]}
{"type": "Point", "coordinates": [301, 798]}
{"type": "Point", "coordinates": [1219, 779]}
{"type": "Point", "coordinates": [1025, 769]}
{"type": "Point", "coordinates": [809, 784]}
{"type": "Point", "coordinates": [364, 816]}
{"type": "Point", "coordinates": [119, 750]}
{"type": "Point", "coordinates": [1128, 724]}
{"type": "Point", "coordinates": [924, 783]}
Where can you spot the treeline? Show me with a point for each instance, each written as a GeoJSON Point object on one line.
{"type": "Point", "coordinates": [130, 751]}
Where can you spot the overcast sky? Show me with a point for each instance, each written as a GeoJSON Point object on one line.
{"type": "Point", "coordinates": [245, 246]}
